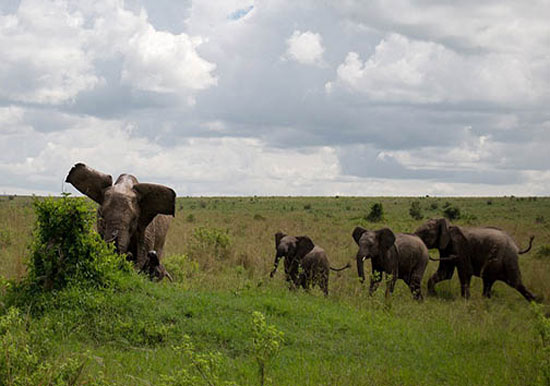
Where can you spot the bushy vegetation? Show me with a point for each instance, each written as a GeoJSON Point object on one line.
{"type": "Point", "coordinates": [415, 211]}
{"type": "Point", "coordinates": [451, 211]}
{"type": "Point", "coordinates": [67, 250]}
{"type": "Point", "coordinates": [376, 213]}
{"type": "Point", "coordinates": [123, 329]}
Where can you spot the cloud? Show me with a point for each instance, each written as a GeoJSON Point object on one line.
{"type": "Point", "coordinates": [305, 48]}
{"type": "Point", "coordinates": [405, 70]}
{"type": "Point", "coordinates": [424, 99]}
{"type": "Point", "coordinates": [44, 58]}
{"type": "Point", "coordinates": [51, 50]}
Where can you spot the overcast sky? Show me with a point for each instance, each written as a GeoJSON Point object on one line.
{"type": "Point", "coordinates": [273, 97]}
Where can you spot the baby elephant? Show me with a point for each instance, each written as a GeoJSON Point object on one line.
{"type": "Point", "coordinates": [306, 264]}
{"type": "Point", "coordinates": [154, 268]}
{"type": "Point", "coordinates": [402, 256]}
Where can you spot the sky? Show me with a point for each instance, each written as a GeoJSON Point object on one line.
{"type": "Point", "coordinates": [278, 97]}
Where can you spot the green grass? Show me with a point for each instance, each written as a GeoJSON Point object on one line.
{"type": "Point", "coordinates": [129, 335]}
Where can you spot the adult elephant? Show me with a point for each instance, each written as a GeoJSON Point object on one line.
{"type": "Point", "coordinates": [133, 215]}
{"type": "Point", "coordinates": [306, 264]}
{"type": "Point", "coordinates": [401, 256]}
{"type": "Point", "coordinates": [485, 252]}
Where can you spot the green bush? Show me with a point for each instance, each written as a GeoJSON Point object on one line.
{"type": "Point", "coordinates": [451, 212]}
{"type": "Point", "coordinates": [67, 250]}
{"type": "Point", "coordinates": [416, 211]}
{"type": "Point", "coordinates": [376, 213]}
{"type": "Point", "coordinates": [23, 355]}
{"type": "Point", "coordinates": [210, 242]}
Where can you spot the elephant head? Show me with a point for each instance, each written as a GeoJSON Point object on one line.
{"type": "Point", "coordinates": [435, 233]}
{"type": "Point", "coordinates": [371, 244]}
{"type": "Point", "coordinates": [154, 269]}
{"type": "Point", "coordinates": [125, 208]}
{"type": "Point", "coordinates": [293, 249]}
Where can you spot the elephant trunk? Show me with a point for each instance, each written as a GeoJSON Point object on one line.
{"type": "Point", "coordinates": [278, 256]}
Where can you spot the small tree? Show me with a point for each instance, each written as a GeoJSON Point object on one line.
{"type": "Point", "coordinates": [266, 341]}
{"type": "Point", "coordinates": [376, 213]}
{"type": "Point", "coordinates": [416, 211]}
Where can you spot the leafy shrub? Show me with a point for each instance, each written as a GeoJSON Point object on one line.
{"type": "Point", "coordinates": [451, 212]}
{"type": "Point", "coordinates": [23, 356]}
{"type": "Point", "coordinates": [416, 211]}
{"type": "Point", "coordinates": [543, 329]}
{"type": "Point", "coordinates": [434, 205]}
{"type": "Point", "coordinates": [307, 206]}
{"type": "Point", "coordinates": [539, 219]}
{"type": "Point", "coordinates": [197, 368]}
{"type": "Point", "coordinates": [210, 243]}
{"type": "Point", "coordinates": [266, 342]}
{"type": "Point", "coordinates": [376, 213]}
{"type": "Point", "coordinates": [180, 266]}
{"type": "Point", "coordinates": [66, 248]}
{"type": "Point", "coordinates": [489, 202]}
{"type": "Point", "coordinates": [190, 217]}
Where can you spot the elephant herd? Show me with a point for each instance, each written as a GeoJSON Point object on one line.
{"type": "Point", "coordinates": [135, 217]}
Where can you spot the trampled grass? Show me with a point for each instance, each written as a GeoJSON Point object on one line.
{"type": "Point", "coordinates": [347, 338]}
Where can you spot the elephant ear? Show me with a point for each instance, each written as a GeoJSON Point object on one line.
{"type": "Point", "coordinates": [89, 181]}
{"type": "Point", "coordinates": [154, 199]}
{"type": "Point", "coordinates": [357, 233]}
{"type": "Point", "coordinates": [460, 243]}
{"type": "Point", "coordinates": [278, 237]}
{"type": "Point", "coordinates": [444, 235]}
{"type": "Point", "coordinates": [303, 246]}
{"type": "Point", "coordinates": [386, 238]}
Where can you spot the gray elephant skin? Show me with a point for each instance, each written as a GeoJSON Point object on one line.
{"type": "Point", "coordinates": [133, 215]}
{"type": "Point", "coordinates": [401, 256]}
{"type": "Point", "coordinates": [306, 264]}
{"type": "Point", "coordinates": [485, 252]}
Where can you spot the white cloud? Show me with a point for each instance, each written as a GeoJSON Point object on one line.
{"type": "Point", "coordinates": [50, 50]}
{"type": "Point", "coordinates": [44, 58]}
{"type": "Point", "coordinates": [405, 70]}
{"type": "Point", "coordinates": [305, 48]}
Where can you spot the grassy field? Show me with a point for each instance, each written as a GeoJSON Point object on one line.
{"type": "Point", "coordinates": [221, 250]}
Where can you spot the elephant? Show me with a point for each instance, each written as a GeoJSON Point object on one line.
{"type": "Point", "coordinates": [485, 252]}
{"type": "Point", "coordinates": [401, 256]}
{"type": "Point", "coordinates": [134, 216]}
{"type": "Point", "coordinates": [306, 264]}
{"type": "Point", "coordinates": [154, 268]}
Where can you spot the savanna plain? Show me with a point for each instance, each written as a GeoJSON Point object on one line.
{"type": "Point", "coordinates": [223, 320]}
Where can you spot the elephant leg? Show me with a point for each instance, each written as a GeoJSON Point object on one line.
{"type": "Point", "coordinates": [444, 272]}
{"type": "Point", "coordinates": [528, 295]}
{"type": "Point", "coordinates": [390, 284]}
{"type": "Point", "coordinates": [325, 285]}
{"type": "Point", "coordinates": [487, 285]}
{"type": "Point", "coordinates": [416, 289]}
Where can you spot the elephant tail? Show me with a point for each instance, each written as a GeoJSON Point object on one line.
{"type": "Point", "coordinates": [529, 247]}
{"type": "Point", "coordinates": [348, 265]}
{"type": "Point", "coordinates": [452, 257]}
